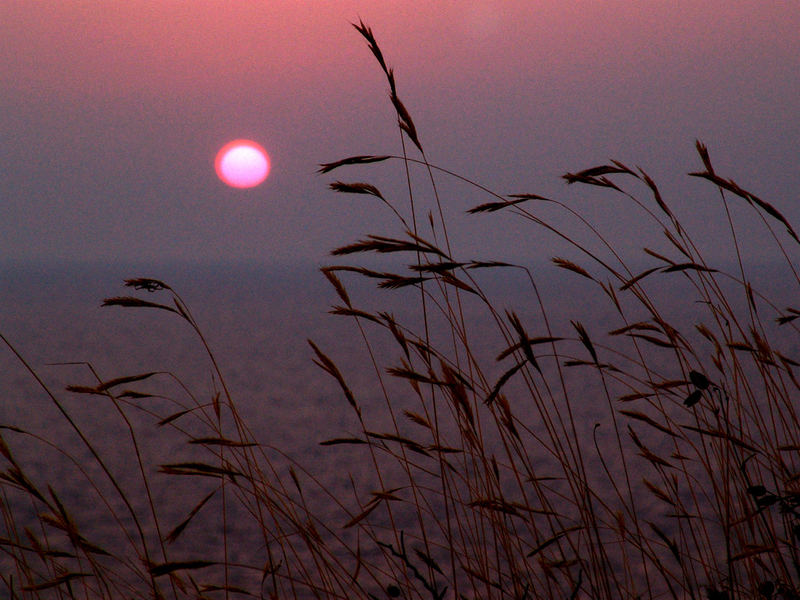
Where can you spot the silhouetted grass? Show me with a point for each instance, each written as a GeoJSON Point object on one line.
{"type": "Point", "coordinates": [654, 457]}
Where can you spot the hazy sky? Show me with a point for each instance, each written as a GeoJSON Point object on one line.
{"type": "Point", "coordinates": [111, 113]}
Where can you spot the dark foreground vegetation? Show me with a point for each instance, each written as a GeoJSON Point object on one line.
{"type": "Point", "coordinates": [658, 457]}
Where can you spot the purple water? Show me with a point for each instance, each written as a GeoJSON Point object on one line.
{"type": "Point", "coordinates": [256, 321]}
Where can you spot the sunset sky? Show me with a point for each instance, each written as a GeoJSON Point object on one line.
{"type": "Point", "coordinates": [111, 114]}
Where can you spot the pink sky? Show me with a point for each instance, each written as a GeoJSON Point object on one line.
{"type": "Point", "coordinates": [90, 49]}
{"type": "Point", "coordinates": [112, 112]}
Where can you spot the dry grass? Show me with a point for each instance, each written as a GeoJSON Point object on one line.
{"type": "Point", "coordinates": [658, 457]}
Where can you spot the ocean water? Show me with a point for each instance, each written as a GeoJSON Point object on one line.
{"type": "Point", "coordinates": [256, 321]}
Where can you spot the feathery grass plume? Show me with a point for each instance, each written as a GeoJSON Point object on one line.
{"type": "Point", "coordinates": [60, 580]}
{"type": "Point", "coordinates": [352, 160]}
{"type": "Point", "coordinates": [595, 176]}
{"type": "Point", "coordinates": [330, 367]}
{"type": "Point", "coordinates": [106, 385]}
{"type": "Point", "coordinates": [729, 185]}
{"type": "Point", "coordinates": [354, 312]}
{"type": "Point", "coordinates": [439, 267]}
{"type": "Point", "coordinates": [571, 266]}
{"type": "Point", "coordinates": [176, 531]}
{"type": "Point", "coordinates": [403, 117]}
{"type": "Point", "coordinates": [221, 441]}
{"type": "Point", "coordinates": [584, 338]}
{"type": "Point", "coordinates": [687, 266]}
{"type": "Point", "coordinates": [356, 188]}
{"type": "Point", "coordinates": [367, 34]}
{"type": "Point", "coordinates": [634, 280]}
{"type": "Point", "coordinates": [385, 245]}
{"type": "Point", "coordinates": [133, 302]}
{"type": "Point", "coordinates": [200, 469]}
{"type": "Point", "coordinates": [635, 414]}
{"type": "Point", "coordinates": [394, 282]}
{"type": "Point", "coordinates": [170, 567]}
{"type": "Point", "coordinates": [147, 284]}
{"type": "Point", "coordinates": [501, 382]}
{"type": "Point", "coordinates": [656, 194]}
{"type": "Point", "coordinates": [417, 418]}
{"type": "Point", "coordinates": [495, 206]}
{"type": "Point", "coordinates": [341, 291]}
{"type": "Point", "coordinates": [336, 441]}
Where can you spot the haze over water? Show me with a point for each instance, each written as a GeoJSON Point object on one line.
{"type": "Point", "coordinates": [112, 114]}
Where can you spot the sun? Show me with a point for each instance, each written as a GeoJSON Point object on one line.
{"type": "Point", "coordinates": [242, 164]}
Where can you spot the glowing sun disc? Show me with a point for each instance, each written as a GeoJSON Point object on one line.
{"type": "Point", "coordinates": [242, 164]}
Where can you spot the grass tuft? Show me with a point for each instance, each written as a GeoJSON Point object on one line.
{"type": "Point", "coordinates": [646, 446]}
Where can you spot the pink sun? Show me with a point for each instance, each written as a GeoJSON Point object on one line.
{"type": "Point", "coordinates": [242, 164]}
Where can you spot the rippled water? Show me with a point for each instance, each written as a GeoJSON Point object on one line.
{"type": "Point", "coordinates": [256, 321]}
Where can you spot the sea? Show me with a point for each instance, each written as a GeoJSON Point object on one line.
{"type": "Point", "coordinates": [251, 343]}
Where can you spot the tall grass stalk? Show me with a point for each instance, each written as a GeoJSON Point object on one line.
{"type": "Point", "coordinates": [647, 454]}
